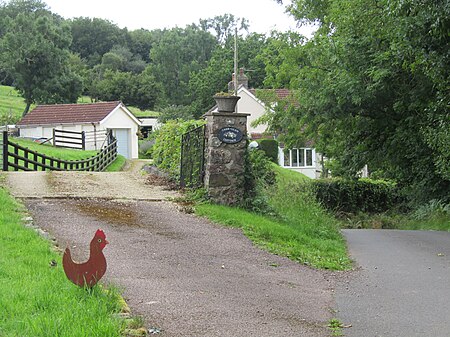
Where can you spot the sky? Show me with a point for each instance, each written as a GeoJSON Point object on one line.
{"type": "Point", "coordinates": [264, 15]}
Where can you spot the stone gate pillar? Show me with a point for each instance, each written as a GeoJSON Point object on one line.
{"type": "Point", "coordinates": [226, 134]}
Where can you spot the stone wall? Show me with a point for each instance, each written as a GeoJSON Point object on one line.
{"type": "Point", "coordinates": [224, 167]}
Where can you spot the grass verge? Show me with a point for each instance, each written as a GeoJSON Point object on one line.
{"type": "Point", "coordinates": [303, 231]}
{"type": "Point", "coordinates": [36, 299]}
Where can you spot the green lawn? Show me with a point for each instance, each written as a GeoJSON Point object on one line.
{"type": "Point", "coordinates": [12, 104]}
{"type": "Point", "coordinates": [36, 299]}
{"type": "Point", "coordinates": [142, 113]}
{"type": "Point", "coordinates": [304, 232]}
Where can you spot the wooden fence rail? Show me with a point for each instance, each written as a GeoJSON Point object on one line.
{"type": "Point", "coordinates": [20, 158]}
{"type": "Point", "coordinates": [69, 139]}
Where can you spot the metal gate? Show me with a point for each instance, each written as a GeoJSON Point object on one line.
{"type": "Point", "coordinates": [193, 158]}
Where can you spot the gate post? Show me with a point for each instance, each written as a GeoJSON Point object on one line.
{"type": "Point", "coordinates": [226, 137]}
{"type": "Point", "coordinates": [5, 150]}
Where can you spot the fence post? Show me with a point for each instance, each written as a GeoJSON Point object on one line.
{"type": "Point", "coordinates": [83, 140]}
{"type": "Point", "coordinates": [5, 150]}
{"type": "Point", "coordinates": [54, 137]}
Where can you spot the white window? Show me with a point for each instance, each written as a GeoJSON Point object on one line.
{"type": "Point", "coordinates": [299, 157]}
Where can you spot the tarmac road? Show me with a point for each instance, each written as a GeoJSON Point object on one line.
{"type": "Point", "coordinates": [402, 285]}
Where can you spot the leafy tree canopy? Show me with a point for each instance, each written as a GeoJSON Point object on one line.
{"type": "Point", "coordinates": [34, 52]}
{"type": "Point", "coordinates": [373, 88]}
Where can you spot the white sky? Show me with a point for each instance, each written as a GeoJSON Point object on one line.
{"type": "Point", "coordinates": [264, 15]}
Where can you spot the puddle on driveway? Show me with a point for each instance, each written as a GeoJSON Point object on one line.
{"type": "Point", "coordinates": [114, 213]}
{"type": "Point", "coordinates": [122, 214]}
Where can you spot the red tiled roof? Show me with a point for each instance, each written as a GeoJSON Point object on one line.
{"type": "Point", "coordinates": [68, 113]}
{"type": "Point", "coordinates": [281, 93]}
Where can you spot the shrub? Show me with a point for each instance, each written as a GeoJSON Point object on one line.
{"type": "Point", "coordinates": [258, 176]}
{"type": "Point", "coordinates": [145, 148]}
{"type": "Point", "coordinates": [167, 148]}
{"type": "Point", "coordinates": [270, 148]}
{"type": "Point", "coordinates": [353, 196]}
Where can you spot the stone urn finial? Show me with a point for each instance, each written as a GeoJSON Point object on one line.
{"type": "Point", "coordinates": [226, 102]}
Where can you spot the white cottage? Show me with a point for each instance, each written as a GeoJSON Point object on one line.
{"type": "Point", "coordinates": [94, 119]}
{"type": "Point", "coordinates": [304, 160]}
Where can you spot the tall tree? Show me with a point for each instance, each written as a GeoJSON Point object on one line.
{"type": "Point", "coordinates": [177, 54]}
{"type": "Point", "coordinates": [373, 88]}
{"type": "Point", "coordinates": [92, 38]}
{"type": "Point", "coordinates": [34, 52]}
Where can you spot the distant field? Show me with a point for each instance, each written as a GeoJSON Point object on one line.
{"type": "Point", "coordinates": [13, 105]}
{"type": "Point", "coordinates": [143, 113]}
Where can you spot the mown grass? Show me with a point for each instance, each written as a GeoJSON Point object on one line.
{"type": "Point", "coordinates": [302, 231]}
{"type": "Point", "coordinates": [36, 299]}
{"type": "Point", "coordinates": [12, 104]}
{"type": "Point", "coordinates": [143, 113]}
{"type": "Point", "coordinates": [67, 154]}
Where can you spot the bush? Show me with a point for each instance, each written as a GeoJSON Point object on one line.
{"type": "Point", "coordinates": [270, 148]}
{"type": "Point", "coordinates": [353, 196]}
{"type": "Point", "coordinates": [258, 176]}
{"type": "Point", "coordinates": [167, 148]}
{"type": "Point", "coordinates": [145, 148]}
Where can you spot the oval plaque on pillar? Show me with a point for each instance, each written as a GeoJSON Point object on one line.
{"type": "Point", "coordinates": [230, 135]}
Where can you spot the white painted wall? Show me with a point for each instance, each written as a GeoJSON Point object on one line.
{"type": "Point", "coordinates": [120, 118]}
{"type": "Point", "coordinates": [251, 105]}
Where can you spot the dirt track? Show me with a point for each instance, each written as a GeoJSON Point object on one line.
{"type": "Point", "coordinates": [185, 275]}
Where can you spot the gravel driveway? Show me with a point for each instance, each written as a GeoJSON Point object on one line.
{"type": "Point", "coordinates": [184, 275]}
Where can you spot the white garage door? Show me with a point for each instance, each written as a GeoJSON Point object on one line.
{"type": "Point", "coordinates": [123, 147]}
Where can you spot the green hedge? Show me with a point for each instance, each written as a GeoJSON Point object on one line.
{"type": "Point", "coordinates": [353, 196]}
{"type": "Point", "coordinates": [167, 148]}
{"type": "Point", "coordinates": [270, 148]}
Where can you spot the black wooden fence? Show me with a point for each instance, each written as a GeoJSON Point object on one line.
{"type": "Point", "coordinates": [192, 170]}
{"type": "Point", "coordinates": [20, 158]}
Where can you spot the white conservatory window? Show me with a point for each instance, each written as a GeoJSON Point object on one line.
{"type": "Point", "coordinates": [298, 157]}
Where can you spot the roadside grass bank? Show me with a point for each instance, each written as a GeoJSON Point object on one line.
{"type": "Point", "coordinates": [36, 298]}
{"type": "Point", "coordinates": [301, 229]}
{"type": "Point", "coordinates": [67, 154]}
{"type": "Point", "coordinates": [435, 220]}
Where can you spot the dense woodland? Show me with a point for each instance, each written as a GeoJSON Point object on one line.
{"type": "Point", "coordinates": [52, 60]}
{"type": "Point", "coordinates": [372, 84]}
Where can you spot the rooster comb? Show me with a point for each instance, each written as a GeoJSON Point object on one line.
{"type": "Point", "coordinates": [100, 233]}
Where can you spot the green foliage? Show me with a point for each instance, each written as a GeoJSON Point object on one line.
{"type": "Point", "coordinates": [167, 149]}
{"type": "Point", "coordinates": [298, 227]}
{"type": "Point", "coordinates": [93, 37]}
{"type": "Point", "coordinates": [353, 196]}
{"type": "Point", "coordinates": [433, 209]}
{"type": "Point", "coordinates": [258, 176]}
{"type": "Point", "coordinates": [37, 299]}
{"type": "Point", "coordinates": [34, 53]}
{"type": "Point", "coordinates": [138, 90]}
{"type": "Point", "coordinates": [11, 105]}
{"type": "Point", "coordinates": [178, 53]}
{"type": "Point", "coordinates": [174, 112]}
{"type": "Point", "coordinates": [373, 89]}
{"type": "Point", "coordinates": [270, 148]}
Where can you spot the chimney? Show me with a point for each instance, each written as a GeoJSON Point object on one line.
{"type": "Point", "coordinates": [242, 80]}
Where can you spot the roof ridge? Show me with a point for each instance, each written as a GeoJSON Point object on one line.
{"type": "Point", "coordinates": [95, 103]}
